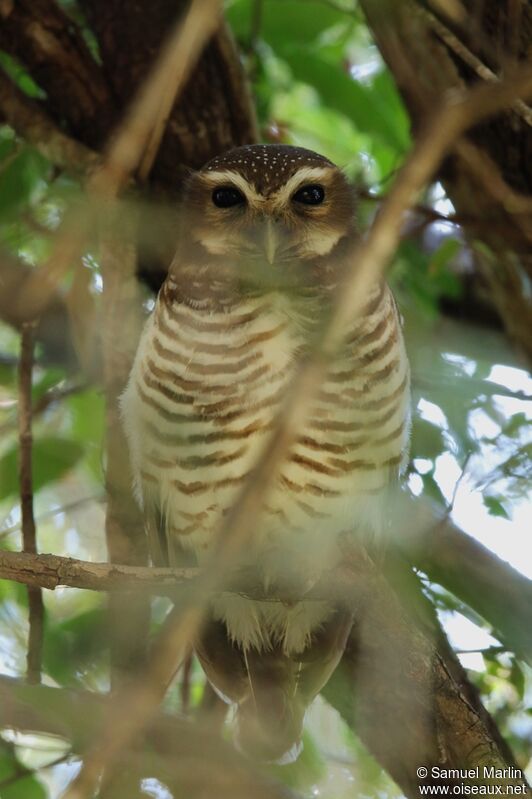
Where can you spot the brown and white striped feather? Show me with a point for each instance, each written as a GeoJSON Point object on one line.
{"type": "Point", "coordinates": [204, 394]}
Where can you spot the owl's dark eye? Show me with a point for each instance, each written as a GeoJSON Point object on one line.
{"type": "Point", "coordinates": [227, 197]}
{"type": "Point", "coordinates": [310, 195]}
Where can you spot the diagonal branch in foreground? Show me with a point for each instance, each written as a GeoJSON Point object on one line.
{"type": "Point", "coordinates": [132, 709]}
{"type": "Point", "coordinates": [191, 753]}
{"type": "Point", "coordinates": [132, 145]}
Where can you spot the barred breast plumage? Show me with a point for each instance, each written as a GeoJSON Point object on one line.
{"type": "Point", "coordinates": [209, 378]}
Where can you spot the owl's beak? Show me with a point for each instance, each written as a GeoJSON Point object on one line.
{"type": "Point", "coordinates": [271, 241]}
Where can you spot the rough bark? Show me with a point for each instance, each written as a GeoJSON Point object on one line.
{"type": "Point", "coordinates": [402, 689]}
{"type": "Point", "coordinates": [493, 179]}
{"type": "Point", "coordinates": [214, 112]}
{"type": "Point", "coordinates": [40, 35]}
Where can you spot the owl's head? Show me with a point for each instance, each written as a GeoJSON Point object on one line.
{"type": "Point", "coordinates": [268, 202]}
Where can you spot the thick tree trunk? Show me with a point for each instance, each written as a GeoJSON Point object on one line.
{"type": "Point", "coordinates": [404, 692]}
{"type": "Point", "coordinates": [489, 177]}
{"type": "Point", "coordinates": [214, 112]}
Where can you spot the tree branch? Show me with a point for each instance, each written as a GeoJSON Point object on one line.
{"type": "Point", "coordinates": [121, 323]}
{"type": "Point", "coordinates": [405, 694]}
{"type": "Point", "coordinates": [447, 555]}
{"type": "Point", "coordinates": [427, 70]}
{"type": "Point", "coordinates": [469, 58]}
{"type": "Point", "coordinates": [29, 534]}
{"type": "Point", "coordinates": [496, 591]}
{"type": "Point", "coordinates": [123, 154]}
{"type": "Point", "coordinates": [41, 36]}
{"type": "Point", "coordinates": [199, 761]}
{"type": "Point", "coordinates": [135, 706]}
{"type": "Point", "coordinates": [53, 326]}
{"type": "Point", "coordinates": [29, 120]}
{"type": "Point", "coordinates": [214, 111]}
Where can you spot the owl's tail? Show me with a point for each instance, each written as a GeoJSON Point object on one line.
{"type": "Point", "coordinates": [270, 726]}
{"type": "Point", "coordinates": [271, 689]}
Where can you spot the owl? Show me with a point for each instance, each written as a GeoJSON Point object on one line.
{"type": "Point", "coordinates": [266, 235]}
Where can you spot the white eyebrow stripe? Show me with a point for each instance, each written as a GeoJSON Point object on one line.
{"type": "Point", "coordinates": [307, 174]}
{"type": "Point", "coordinates": [227, 176]}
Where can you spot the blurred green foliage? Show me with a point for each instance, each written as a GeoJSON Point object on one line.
{"type": "Point", "coordinates": [319, 82]}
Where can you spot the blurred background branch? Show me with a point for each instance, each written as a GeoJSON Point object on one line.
{"type": "Point", "coordinates": [201, 760]}
{"type": "Point", "coordinates": [69, 72]}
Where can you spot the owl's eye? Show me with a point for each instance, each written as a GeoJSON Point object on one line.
{"type": "Point", "coordinates": [313, 194]}
{"type": "Point", "coordinates": [227, 197]}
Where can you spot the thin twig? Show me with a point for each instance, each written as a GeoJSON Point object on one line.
{"type": "Point", "coordinates": [428, 541]}
{"type": "Point", "coordinates": [125, 535]}
{"type": "Point", "coordinates": [132, 710]}
{"type": "Point", "coordinates": [24, 772]}
{"type": "Point", "coordinates": [472, 61]}
{"type": "Point", "coordinates": [29, 535]}
{"type": "Point", "coordinates": [459, 482]}
{"type": "Point", "coordinates": [133, 146]}
{"type": "Point", "coordinates": [185, 684]}
{"type": "Point", "coordinates": [255, 27]}
{"type": "Point", "coordinates": [49, 514]}
{"type": "Point", "coordinates": [55, 394]}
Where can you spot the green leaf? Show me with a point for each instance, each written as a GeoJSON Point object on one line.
{"type": "Point", "coordinates": [52, 458]}
{"type": "Point", "coordinates": [20, 177]}
{"type": "Point", "coordinates": [283, 21]}
{"type": "Point", "coordinates": [27, 787]}
{"type": "Point", "coordinates": [338, 90]}
{"type": "Point", "coordinates": [443, 256]}
{"type": "Point", "coordinates": [307, 769]}
{"type": "Point", "coordinates": [17, 785]}
{"type": "Point", "coordinates": [8, 373]}
{"type": "Point", "coordinates": [7, 149]}
{"type": "Point", "coordinates": [432, 489]}
{"type": "Point", "coordinates": [515, 423]}
{"type": "Point", "coordinates": [427, 439]}
{"type": "Point", "coordinates": [87, 411]}
{"type": "Point", "coordinates": [517, 678]}
{"type": "Point", "coordinates": [73, 646]}
{"type": "Point", "coordinates": [386, 95]}
{"type": "Point", "coordinates": [20, 76]}
{"type": "Point", "coordinates": [495, 507]}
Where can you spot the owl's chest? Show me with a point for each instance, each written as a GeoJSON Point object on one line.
{"type": "Point", "coordinates": [202, 399]}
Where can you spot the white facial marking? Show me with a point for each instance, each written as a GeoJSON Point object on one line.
{"type": "Point", "coordinates": [304, 175]}
{"type": "Point", "coordinates": [228, 176]}
{"type": "Point", "coordinates": [319, 243]}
